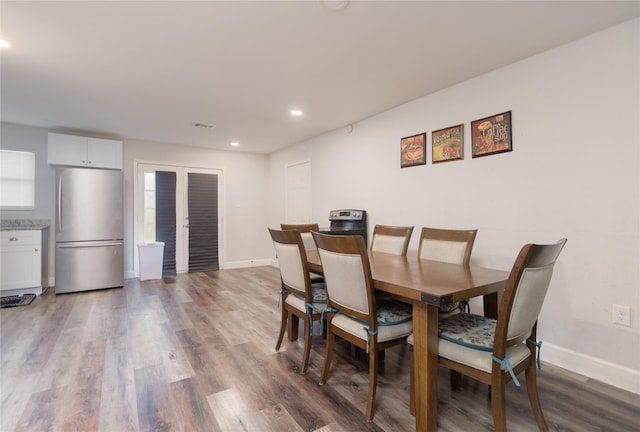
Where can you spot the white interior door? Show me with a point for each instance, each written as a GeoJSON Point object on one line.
{"type": "Point", "coordinates": [298, 193]}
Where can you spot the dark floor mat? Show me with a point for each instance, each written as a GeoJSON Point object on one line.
{"type": "Point", "coordinates": [17, 300]}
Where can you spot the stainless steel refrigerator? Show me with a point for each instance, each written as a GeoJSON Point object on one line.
{"type": "Point", "coordinates": [89, 230]}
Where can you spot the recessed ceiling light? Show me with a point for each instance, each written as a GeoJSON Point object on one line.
{"type": "Point", "coordinates": [4, 44]}
{"type": "Point", "coordinates": [235, 144]}
{"type": "Point", "coordinates": [296, 112]}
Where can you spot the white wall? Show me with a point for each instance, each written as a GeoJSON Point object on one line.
{"type": "Point", "coordinates": [244, 236]}
{"type": "Point", "coordinates": [573, 172]}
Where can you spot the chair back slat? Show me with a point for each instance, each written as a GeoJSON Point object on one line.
{"type": "Point", "coordinates": [442, 250]}
{"type": "Point", "coordinates": [446, 245]}
{"type": "Point", "coordinates": [388, 244]}
{"type": "Point", "coordinates": [291, 269]}
{"type": "Point", "coordinates": [347, 273]}
{"type": "Point", "coordinates": [345, 279]}
{"type": "Point", "coordinates": [391, 239]}
{"type": "Point", "coordinates": [307, 241]}
{"type": "Point", "coordinates": [525, 291]}
{"type": "Point", "coordinates": [305, 232]}
{"type": "Point", "coordinates": [292, 261]}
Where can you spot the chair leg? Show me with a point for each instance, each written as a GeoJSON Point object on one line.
{"type": "Point", "coordinates": [532, 389]}
{"type": "Point", "coordinates": [455, 380]}
{"type": "Point", "coordinates": [373, 381]}
{"type": "Point", "coordinates": [355, 351]}
{"type": "Point", "coordinates": [412, 387]}
{"type": "Point", "coordinates": [328, 356]}
{"type": "Point", "coordinates": [307, 345]}
{"type": "Point", "coordinates": [283, 326]}
{"type": "Point", "coordinates": [293, 327]}
{"type": "Point", "coordinates": [498, 404]}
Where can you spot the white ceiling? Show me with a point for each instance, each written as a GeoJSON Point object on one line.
{"type": "Point", "coordinates": [148, 70]}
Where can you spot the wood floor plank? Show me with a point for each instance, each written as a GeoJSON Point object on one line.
{"type": "Point", "coordinates": [81, 403]}
{"type": "Point", "coordinates": [196, 352]}
{"type": "Point", "coordinates": [118, 403]}
{"type": "Point", "coordinates": [154, 401]}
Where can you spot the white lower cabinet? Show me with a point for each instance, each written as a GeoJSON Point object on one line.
{"type": "Point", "coordinates": [24, 261]}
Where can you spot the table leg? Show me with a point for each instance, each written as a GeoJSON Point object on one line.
{"type": "Point", "coordinates": [490, 302]}
{"type": "Point", "coordinates": [425, 355]}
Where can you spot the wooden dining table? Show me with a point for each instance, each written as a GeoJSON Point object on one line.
{"type": "Point", "coordinates": [428, 285]}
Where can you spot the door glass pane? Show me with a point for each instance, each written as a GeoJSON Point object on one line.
{"type": "Point", "coordinates": [149, 207]}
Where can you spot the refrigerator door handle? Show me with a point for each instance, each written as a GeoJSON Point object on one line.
{"type": "Point", "coordinates": [89, 244]}
{"type": "Point", "coordinates": [60, 204]}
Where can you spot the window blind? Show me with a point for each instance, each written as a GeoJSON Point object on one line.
{"type": "Point", "coordinates": [166, 219]}
{"type": "Point", "coordinates": [203, 222]}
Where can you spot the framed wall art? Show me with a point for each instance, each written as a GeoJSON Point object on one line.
{"type": "Point", "coordinates": [412, 150]}
{"type": "Point", "coordinates": [491, 135]}
{"type": "Point", "coordinates": [447, 144]}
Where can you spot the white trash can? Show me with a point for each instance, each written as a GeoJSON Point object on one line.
{"type": "Point", "coordinates": [151, 260]}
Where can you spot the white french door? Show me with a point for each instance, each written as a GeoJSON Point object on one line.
{"type": "Point", "coordinates": [146, 227]}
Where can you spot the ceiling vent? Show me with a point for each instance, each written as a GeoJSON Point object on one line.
{"type": "Point", "coordinates": [204, 125]}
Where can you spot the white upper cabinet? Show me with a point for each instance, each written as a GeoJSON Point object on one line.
{"type": "Point", "coordinates": [82, 151]}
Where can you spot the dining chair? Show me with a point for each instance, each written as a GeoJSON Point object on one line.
{"type": "Point", "coordinates": [352, 313]}
{"type": "Point", "coordinates": [391, 239]}
{"type": "Point", "coordinates": [496, 351]}
{"type": "Point", "coordinates": [305, 232]}
{"type": "Point", "coordinates": [447, 245]}
{"type": "Point", "coordinates": [300, 298]}
{"type": "Point", "coordinates": [309, 245]}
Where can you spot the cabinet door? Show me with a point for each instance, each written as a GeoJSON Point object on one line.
{"type": "Point", "coordinates": [67, 150]}
{"type": "Point", "coordinates": [104, 153]}
{"type": "Point", "coordinates": [20, 260]}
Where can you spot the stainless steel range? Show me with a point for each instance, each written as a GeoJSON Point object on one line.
{"type": "Point", "coordinates": [348, 222]}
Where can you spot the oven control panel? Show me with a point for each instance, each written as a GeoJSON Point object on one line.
{"type": "Point", "coordinates": [351, 215]}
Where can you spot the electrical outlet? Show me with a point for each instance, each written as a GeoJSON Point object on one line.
{"type": "Point", "coordinates": [621, 315]}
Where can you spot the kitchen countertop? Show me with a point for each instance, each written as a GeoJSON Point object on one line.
{"type": "Point", "coordinates": [24, 224]}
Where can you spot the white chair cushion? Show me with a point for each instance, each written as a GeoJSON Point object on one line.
{"type": "Point", "coordinates": [480, 359]}
{"type": "Point", "coordinates": [470, 330]}
{"type": "Point", "coordinates": [391, 312]}
{"type": "Point", "coordinates": [468, 339]}
{"type": "Point", "coordinates": [298, 303]}
{"type": "Point", "coordinates": [385, 332]}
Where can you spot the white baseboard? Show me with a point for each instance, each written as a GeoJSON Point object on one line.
{"type": "Point", "coordinates": [610, 373]}
{"type": "Point", "coordinates": [247, 263]}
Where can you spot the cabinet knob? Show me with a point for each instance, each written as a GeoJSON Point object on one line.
{"type": "Point", "coordinates": [37, 249]}
{"type": "Point", "coordinates": [13, 239]}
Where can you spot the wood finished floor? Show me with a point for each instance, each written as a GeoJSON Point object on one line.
{"type": "Point", "coordinates": [196, 353]}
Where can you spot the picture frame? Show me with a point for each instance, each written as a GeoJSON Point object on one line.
{"type": "Point", "coordinates": [413, 150]}
{"type": "Point", "coordinates": [491, 135]}
{"type": "Point", "coordinates": [447, 144]}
